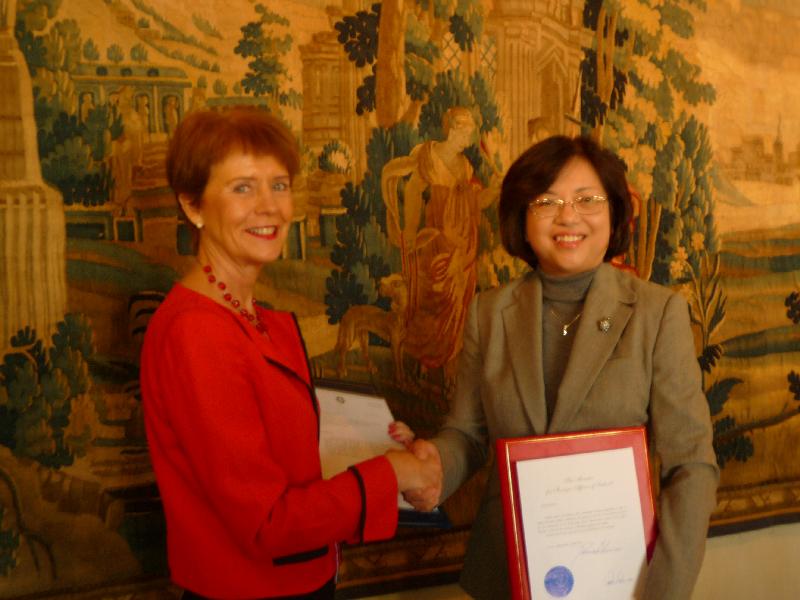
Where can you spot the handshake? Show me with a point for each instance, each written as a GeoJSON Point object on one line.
{"type": "Point", "coordinates": [418, 468]}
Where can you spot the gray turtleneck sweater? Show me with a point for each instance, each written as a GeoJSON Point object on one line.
{"type": "Point", "coordinates": [562, 305]}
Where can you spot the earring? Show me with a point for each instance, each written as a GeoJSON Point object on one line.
{"type": "Point", "coordinates": [199, 225]}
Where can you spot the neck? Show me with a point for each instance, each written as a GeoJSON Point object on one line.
{"type": "Point", "coordinates": [239, 282]}
{"type": "Point", "coordinates": [566, 288]}
{"type": "Point", "coordinates": [447, 149]}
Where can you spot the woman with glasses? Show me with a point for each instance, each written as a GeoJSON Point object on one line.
{"type": "Point", "coordinates": [576, 345]}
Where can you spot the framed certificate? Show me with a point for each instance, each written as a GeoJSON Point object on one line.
{"type": "Point", "coordinates": [578, 512]}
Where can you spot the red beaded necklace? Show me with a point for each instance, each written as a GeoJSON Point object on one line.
{"type": "Point", "coordinates": [228, 297]}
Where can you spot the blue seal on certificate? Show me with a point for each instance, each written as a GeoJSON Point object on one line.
{"type": "Point", "coordinates": [559, 581]}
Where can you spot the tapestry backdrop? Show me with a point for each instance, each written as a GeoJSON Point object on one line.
{"type": "Point", "coordinates": [389, 243]}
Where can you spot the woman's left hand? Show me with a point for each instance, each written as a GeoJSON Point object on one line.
{"type": "Point", "coordinates": [402, 433]}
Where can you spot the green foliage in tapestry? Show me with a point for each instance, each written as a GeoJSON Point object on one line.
{"type": "Point", "coordinates": [707, 312]}
{"type": "Point", "coordinates": [422, 44]}
{"type": "Point", "coordinates": [593, 108]}
{"type": "Point", "coordinates": [90, 51]}
{"type": "Point", "coordinates": [61, 168]}
{"type": "Point", "coordinates": [219, 87]}
{"type": "Point", "coordinates": [683, 176]}
{"type": "Point", "coordinates": [139, 53]}
{"type": "Point", "coordinates": [466, 23]}
{"type": "Point", "coordinates": [794, 385]}
{"type": "Point", "coordinates": [450, 90]}
{"type": "Point", "coordinates": [792, 304]}
{"type": "Point", "coordinates": [362, 253]}
{"type": "Point", "coordinates": [732, 436]}
{"type": "Point", "coordinates": [42, 386]}
{"type": "Point", "coordinates": [169, 31]}
{"type": "Point", "coordinates": [358, 34]}
{"type": "Point", "coordinates": [74, 134]}
{"type": "Point", "coordinates": [729, 443]}
{"type": "Point", "coordinates": [266, 42]}
{"type": "Point", "coordinates": [335, 158]}
{"type": "Point", "coordinates": [9, 543]}
{"type": "Point", "coordinates": [637, 97]}
{"type": "Point", "coordinates": [115, 53]}
{"type": "Point", "coordinates": [206, 27]}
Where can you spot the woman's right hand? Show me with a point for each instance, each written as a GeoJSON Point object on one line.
{"type": "Point", "coordinates": [419, 475]}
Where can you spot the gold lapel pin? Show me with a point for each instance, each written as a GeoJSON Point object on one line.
{"type": "Point", "coordinates": [604, 324]}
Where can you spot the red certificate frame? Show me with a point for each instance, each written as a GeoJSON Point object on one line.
{"type": "Point", "coordinates": [511, 451]}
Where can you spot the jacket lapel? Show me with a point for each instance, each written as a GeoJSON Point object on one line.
{"type": "Point", "coordinates": [281, 348]}
{"type": "Point", "coordinates": [609, 302]}
{"type": "Point", "coordinates": [523, 336]}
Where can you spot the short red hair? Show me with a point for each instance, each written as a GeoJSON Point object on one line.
{"type": "Point", "coordinates": [207, 137]}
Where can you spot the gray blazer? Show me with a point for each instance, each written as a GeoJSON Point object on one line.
{"type": "Point", "coordinates": [643, 370]}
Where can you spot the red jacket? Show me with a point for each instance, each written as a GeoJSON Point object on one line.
{"type": "Point", "coordinates": [233, 426]}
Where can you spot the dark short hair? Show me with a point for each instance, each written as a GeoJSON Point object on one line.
{"type": "Point", "coordinates": [534, 172]}
{"type": "Point", "coordinates": [207, 137]}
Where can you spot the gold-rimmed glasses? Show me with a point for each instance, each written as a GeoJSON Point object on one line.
{"type": "Point", "coordinates": [546, 207]}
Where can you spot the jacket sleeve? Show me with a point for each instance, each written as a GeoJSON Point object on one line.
{"type": "Point", "coordinates": [378, 514]}
{"type": "Point", "coordinates": [209, 416]}
{"type": "Point", "coordinates": [463, 439]}
{"type": "Point", "coordinates": [682, 438]}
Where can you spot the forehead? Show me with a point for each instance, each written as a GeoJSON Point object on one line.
{"type": "Point", "coordinates": [577, 174]}
{"type": "Point", "coordinates": [463, 121]}
{"type": "Point", "coordinates": [246, 164]}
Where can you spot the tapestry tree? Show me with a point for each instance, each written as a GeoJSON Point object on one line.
{"type": "Point", "coordinates": [408, 103]}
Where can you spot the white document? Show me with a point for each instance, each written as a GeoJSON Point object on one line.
{"type": "Point", "coordinates": [582, 525]}
{"type": "Point", "coordinates": [353, 428]}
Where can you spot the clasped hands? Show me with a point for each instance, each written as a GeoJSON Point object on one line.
{"type": "Point", "coordinates": [418, 468]}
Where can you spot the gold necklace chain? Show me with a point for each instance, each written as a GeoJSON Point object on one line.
{"type": "Point", "coordinates": [565, 327]}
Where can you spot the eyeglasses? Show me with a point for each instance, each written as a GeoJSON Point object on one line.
{"type": "Point", "coordinates": [543, 208]}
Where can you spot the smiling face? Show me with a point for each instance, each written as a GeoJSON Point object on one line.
{"type": "Point", "coordinates": [570, 243]}
{"type": "Point", "coordinates": [245, 212]}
